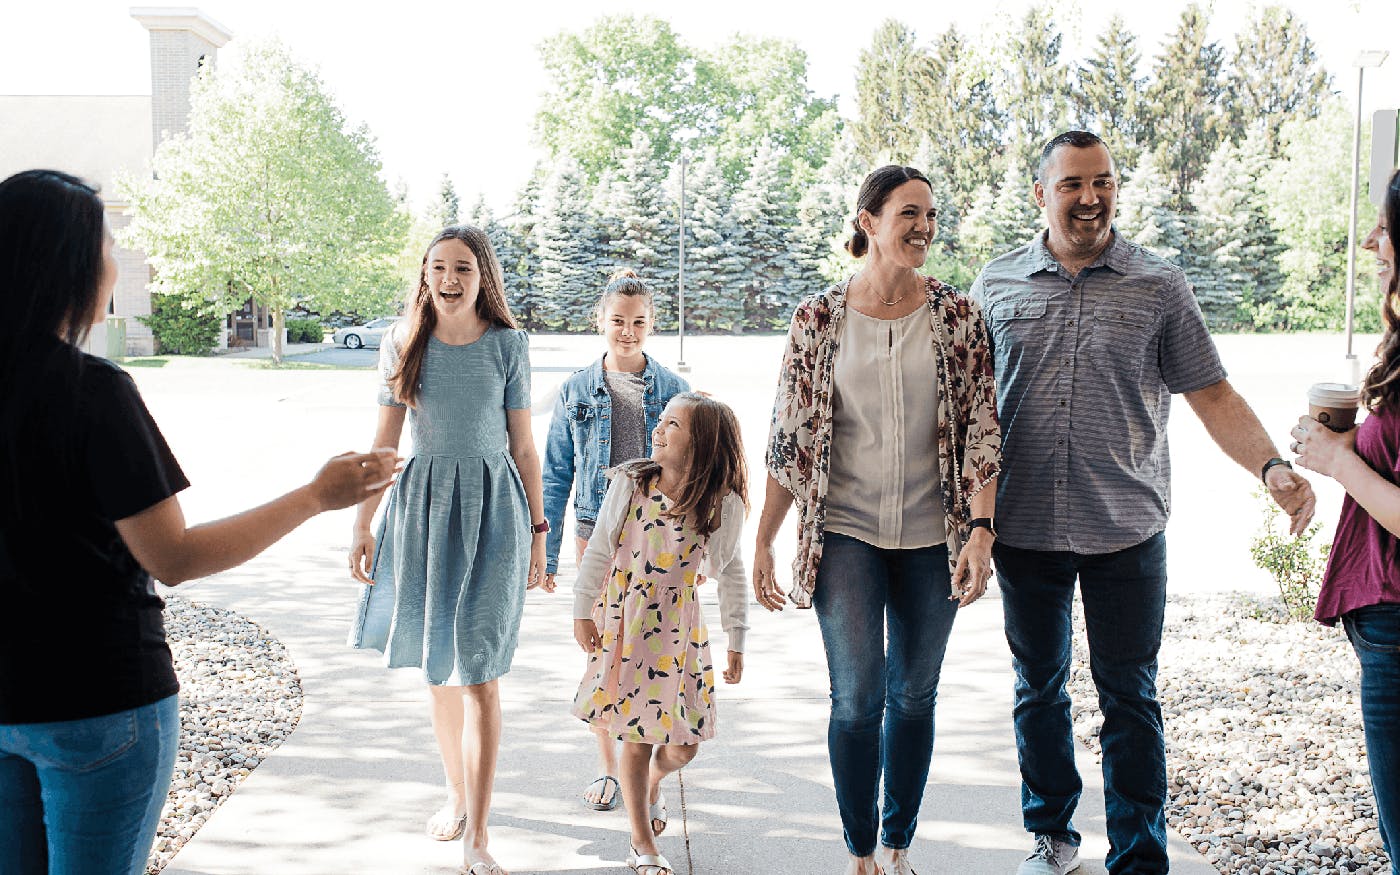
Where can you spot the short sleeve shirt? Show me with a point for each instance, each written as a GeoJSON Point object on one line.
{"type": "Point", "coordinates": [1086, 366]}
{"type": "Point", "coordinates": [78, 606]}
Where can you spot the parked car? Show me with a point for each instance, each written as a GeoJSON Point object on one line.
{"type": "Point", "coordinates": [356, 336]}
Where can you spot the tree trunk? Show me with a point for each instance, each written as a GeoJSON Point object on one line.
{"type": "Point", "coordinates": [279, 327]}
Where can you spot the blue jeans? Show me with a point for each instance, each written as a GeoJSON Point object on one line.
{"type": "Point", "coordinates": [1124, 595]}
{"type": "Point", "coordinates": [882, 695]}
{"type": "Point", "coordinates": [1375, 636]}
{"type": "Point", "coordinates": [84, 796]}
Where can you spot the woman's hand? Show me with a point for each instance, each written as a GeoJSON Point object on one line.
{"type": "Point", "coordinates": [361, 555]}
{"type": "Point", "coordinates": [734, 671]}
{"type": "Point", "coordinates": [765, 584]}
{"type": "Point", "coordinates": [537, 576]}
{"type": "Point", "coordinates": [586, 634]}
{"type": "Point", "coordinates": [974, 568]}
{"type": "Point", "coordinates": [1319, 448]}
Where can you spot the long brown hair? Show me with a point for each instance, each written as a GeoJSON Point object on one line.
{"type": "Point", "coordinates": [717, 465]}
{"type": "Point", "coordinates": [422, 318]}
{"type": "Point", "coordinates": [1381, 390]}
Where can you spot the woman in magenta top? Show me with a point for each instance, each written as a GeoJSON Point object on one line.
{"type": "Point", "coordinates": [1361, 586]}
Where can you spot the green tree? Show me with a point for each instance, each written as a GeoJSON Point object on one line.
{"type": "Point", "coordinates": [1035, 86]}
{"type": "Point", "coordinates": [269, 194]}
{"type": "Point", "coordinates": [1308, 192]}
{"type": "Point", "coordinates": [889, 76]}
{"type": "Point", "coordinates": [623, 74]}
{"type": "Point", "coordinates": [1239, 279]}
{"type": "Point", "coordinates": [571, 262]}
{"type": "Point", "coordinates": [713, 273]}
{"type": "Point", "coordinates": [958, 116]}
{"type": "Point", "coordinates": [761, 220]}
{"type": "Point", "coordinates": [1276, 75]}
{"type": "Point", "coordinates": [1185, 103]}
{"type": "Point", "coordinates": [1108, 94]}
{"type": "Point", "coordinates": [449, 205]}
{"type": "Point", "coordinates": [1147, 212]}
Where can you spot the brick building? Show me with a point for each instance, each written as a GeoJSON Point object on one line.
{"type": "Point", "coordinates": [102, 138]}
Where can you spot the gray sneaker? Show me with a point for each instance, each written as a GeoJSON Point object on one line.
{"type": "Point", "coordinates": [1050, 857]}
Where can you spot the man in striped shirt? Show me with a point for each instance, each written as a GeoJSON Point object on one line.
{"type": "Point", "coordinates": [1092, 335]}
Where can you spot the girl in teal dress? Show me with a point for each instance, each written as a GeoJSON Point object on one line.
{"type": "Point", "coordinates": [462, 537]}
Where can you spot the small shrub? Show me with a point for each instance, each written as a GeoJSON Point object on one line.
{"type": "Point", "coordinates": [184, 323]}
{"type": "Point", "coordinates": [1293, 562]}
{"type": "Point", "coordinates": [305, 331]}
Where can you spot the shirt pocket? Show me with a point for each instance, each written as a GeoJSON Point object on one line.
{"type": "Point", "coordinates": [1016, 322]}
{"type": "Point", "coordinates": [1119, 338]}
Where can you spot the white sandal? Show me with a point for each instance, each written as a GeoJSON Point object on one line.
{"type": "Point", "coordinates": [657, 810]}
{"type": "Point", "coordinates": [655, 864]}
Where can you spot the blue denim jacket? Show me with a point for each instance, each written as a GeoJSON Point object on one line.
{"type": "Point", "coordinates": [576, 452]}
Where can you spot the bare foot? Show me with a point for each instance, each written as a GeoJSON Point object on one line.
{"type": "Point", "coordinates": [602, 791]}
{"type": "Point", "coordinates": [863, 866]}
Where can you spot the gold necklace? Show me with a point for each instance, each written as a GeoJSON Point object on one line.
{"type": "Point", "coordinates": [871, 286]}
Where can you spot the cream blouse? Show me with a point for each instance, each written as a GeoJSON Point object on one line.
{"type": "Point", "coordinates": [885, 489]}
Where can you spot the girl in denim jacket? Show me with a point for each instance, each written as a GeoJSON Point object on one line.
{"type": "Point", "coordinates": [604, 416]}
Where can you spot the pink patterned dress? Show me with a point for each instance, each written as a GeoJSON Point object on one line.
{"type": "Point", "coordinates": [653, 680]}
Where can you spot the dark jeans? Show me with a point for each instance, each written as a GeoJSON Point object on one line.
{"type": "Point", "coordinates": [84, 796]}
{"type": "Point", "coordinates": [882, 694]}
{"type": "Point", "coordinates": [1375, 636]}
{"type": "Point", "coordinates": [1124, 595]}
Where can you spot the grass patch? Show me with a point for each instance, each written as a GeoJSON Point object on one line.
{"type": "Point", "coordinates": [289, 365]}
{"type": "Point", "coordinates": [154, 361]}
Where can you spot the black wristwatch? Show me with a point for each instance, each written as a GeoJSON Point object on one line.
{"type": "Point", "coordinates": [982, 522]}
{"type": "Point", "coordinates": [1273, 463]}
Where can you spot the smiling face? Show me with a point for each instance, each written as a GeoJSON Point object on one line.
{"type": "Point", "coordinates": [904, 228]}
{"type": "Point", "coordinates": [452, 276]}
{"type": "Point", "coordinates": [1078, 191]}
{"type": "Point", "coordinates": [670, 440]}
{"type": "Point", "coordinates": [625, 323]}
{"type": "Point", "coordinates": [1379, 241]}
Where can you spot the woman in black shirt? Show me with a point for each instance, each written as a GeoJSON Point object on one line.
{"type": "Point", "coordinates": [89, 719]}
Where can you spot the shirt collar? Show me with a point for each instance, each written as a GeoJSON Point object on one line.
{"type": "Point", "coordinates": [1114, 256]}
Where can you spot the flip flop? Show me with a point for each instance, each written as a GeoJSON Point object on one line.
{"type": "Point", "coordinates": [657, 810]}
{"type": "Point", "coordinates": [655, 864]}
{"type": "Point", "coordinates": [481, 867]}
{"type": "Point", "coordinates": [458, 828]}
{"type": "Point", "coordinates": [610, 801]}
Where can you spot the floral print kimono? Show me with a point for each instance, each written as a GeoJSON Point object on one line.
{"type": "Point", "coordinates": [799, 442]}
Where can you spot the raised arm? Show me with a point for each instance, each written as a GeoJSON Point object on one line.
{"type": "Point", "coordinates": [1233, 426]}
{"type": "Point", "coordinates": [173, 552]}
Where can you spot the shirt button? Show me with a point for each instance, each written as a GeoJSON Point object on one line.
{"type": "Point", "coordinates": [1060, 442]}
{"type": "Point", "coordinates": [1062, 402]}
{"type": "Point", "coordinates": [1070, 323]}
{"type": "Point", "coordinates": [1067, 361]}
{"type": "Point", "coordinates": [1059, 483]}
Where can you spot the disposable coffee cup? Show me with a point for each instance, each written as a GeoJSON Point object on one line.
{"type": "Point", "coordinates": [1334, 405]}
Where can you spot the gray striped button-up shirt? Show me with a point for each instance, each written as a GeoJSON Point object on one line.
{"type": "Point", "coordinates": [1086, 366]}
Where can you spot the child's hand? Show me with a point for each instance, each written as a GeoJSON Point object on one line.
{"type": "Point", "coordinates": [586, 634]}
{"type": "Point", "coordinates": [735, 670]}
{"type": "Point", "coordinates": [548, 585]}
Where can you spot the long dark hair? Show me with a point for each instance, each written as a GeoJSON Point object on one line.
{"type": "Point", "coordinates": [717, 465]}
{"type": "Point", "coordinates": [51, 235]}
{"type": "Point", "coordinates": [874, 191]}
{"type": "Point", "coordinates": [1381, 390]}
{"type": "Point", "coordinates": [422, 318]}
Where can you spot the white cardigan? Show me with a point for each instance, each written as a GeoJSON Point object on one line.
{"type": "Point", "coordinates": [722, 560]}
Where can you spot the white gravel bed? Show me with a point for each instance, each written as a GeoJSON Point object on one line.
{"type": "Point", "coordinates": [240, 697]}
{"type": "Point", "coordinates": [1266, 759]}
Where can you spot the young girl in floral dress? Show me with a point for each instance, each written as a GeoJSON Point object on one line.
{"type": "Point", "coordinates": [650, 680]}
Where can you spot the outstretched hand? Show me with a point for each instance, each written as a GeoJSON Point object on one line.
{"type": "Point", "coordinates": [350, 478]}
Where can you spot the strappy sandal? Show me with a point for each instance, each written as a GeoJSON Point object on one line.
{"type": "Point", "coordinates": [481, 867]}
{"type": "Point", "coordinates": [657, 810]}
{"type": "Point", "coordinates": [606, 802]}
{"type": "Point", "coordinates": [653, 864]}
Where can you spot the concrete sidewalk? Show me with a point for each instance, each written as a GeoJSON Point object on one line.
{"type": "Point", "coordinates": [348, 793]}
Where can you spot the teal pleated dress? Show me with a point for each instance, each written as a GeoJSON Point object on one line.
{"type": "Point", "coordinates": [453, 547]}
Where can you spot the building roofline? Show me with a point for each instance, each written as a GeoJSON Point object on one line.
{"type": "Point", "coordinates": [182, 18]}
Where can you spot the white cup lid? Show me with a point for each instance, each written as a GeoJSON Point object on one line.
{"type": "Point", "coordinates": [1334, 395]}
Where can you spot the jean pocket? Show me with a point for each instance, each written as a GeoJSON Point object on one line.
{"type": "Point", "coordinates": [1375, 628]}
{"type": "Point", "coordinates": [84, 745]}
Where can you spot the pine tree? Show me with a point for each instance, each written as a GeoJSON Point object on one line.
{"type": "Point", "coordinates": [959, 116]}
{"type": "Point", "coordinates": [1036, 86]}
{"type": "Point", "coordinates": [1108, 94]}
{"type": "Point", "coordinates": [519, 259]}
{"type": "Point", "coordinates": [1276, 75]}
{"type": "Point", "coordinates": [1147, 212]}
{"type": "Point", "coordinates": [713, 300]}
{"type": "Point", "coordinates": [761, 220]}
{"type": "Point", "coordinates": [977, 241]}
{"type": "Point", "coordinates": [1015, 218]}
{"type": "Point", "coordinates": [1185, 104]}
{"type": "Point", "coordinates": [447, 207]}
{"type": "Point", "coordinates": [824, 214]}
{"type": "Point", "coordinates": [887, 94]}
{"type": "Point", "coordinates": [571, 265]}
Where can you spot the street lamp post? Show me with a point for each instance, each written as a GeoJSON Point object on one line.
{"type": "Point", "coordinates": [680, 279]}
{"type": "Point", "coordinates": [1363, 61]}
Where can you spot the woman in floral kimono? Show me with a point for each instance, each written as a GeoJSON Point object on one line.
{"type": "Point", "coordinates": [885, 436]}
